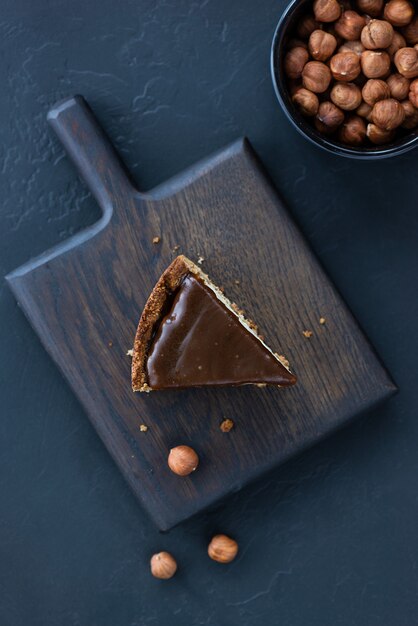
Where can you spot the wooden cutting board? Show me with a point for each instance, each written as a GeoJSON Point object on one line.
{"type": "Point", "coordinates": [84, 299]}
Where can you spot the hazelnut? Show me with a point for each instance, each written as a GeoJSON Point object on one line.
{"type": "Point", "coordinates": [365, 111]}
{"type": "Point", "coordinates": [410, 32]}
{"type": "Point", "coordinates": [222, 549]}
{"type": "Point", "coordinates": [352, 46]}
{"type": "Point", "coordinates": [326, 10]}
{"type": "Point", "coordinates": [375, 64]}
{"type": "Point", "coordinates": [306, 101]}
{"type": "Point", "coordinates": [371, 7]}
{"type": "Point", "coordinates": [183, 460]}
{"type": "Point", "coordinates": [388, 114]}
{"type": "Point", "coordinates": [295, 61]}
{"type": "Point", "coordinates": [406, 61]}
{"type": "Point", "coordinates": [398, 12]}
{"type": "Point", "coordinates": [397, 42]}
{"type": "Point", "coordinates": [163, 565]}
{"type": "Point", "coordinates": [306, 26]}
{"type": "Point", "coordinates": [297, 43]}
{"type": "Point", "coordinates": [411, 115]}
{"type": "Point", "coordinates": [350, 25]}
{"type": "Point", "coordinates": [316, 76]}
{"type": "Point", "coordinates": [374, 90]}
{"type": "Point", "coordinates": [379, 136]}
{"type": "Point", "coordinates": [345, 66]}
{"type": "Point", "coordinates": [413, 93]}
{"type": "Point", "coordinates": [347, 96]}
{"type": "Point", "coordinates": [399, 86]}
{"type": "Point", "coordinates": [328, 118]}
{"type": "Point", "coordinates": [353, 131]}
{"type": "Point", "coordinates": [321, 45]}
{"type": "Point", "coordinates": [377, 34]}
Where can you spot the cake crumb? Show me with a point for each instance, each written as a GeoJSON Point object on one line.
{"type": "Point", "coordinates": [130, 352]}
{"type": "Point", "coordinates": [322, 320]}
{"type": "Point", "coordinates": [143, 428]}
{"type": "Point", "coordinates": [200, 260]}
{"type": "Point", "coordinates": [176, 247]}
{"type": "Point", "coordinates": [226, 425]}
{"type": "Point", "coordinates": [237, 282]}
{"type": "Point", "coordinates": [110, 344]}
{"type": "Point", "coordinates": [156, 239]}
{"type": "Point", "coordinates": [282, 359]}
{"type": "Point", "coordinates": [307, 333]}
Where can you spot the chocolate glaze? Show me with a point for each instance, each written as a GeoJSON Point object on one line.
{"type": "Point", "coordinates": [200, 342]}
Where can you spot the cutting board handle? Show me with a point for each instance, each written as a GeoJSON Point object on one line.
{"type": "Point", "coordinates": [91, 151]}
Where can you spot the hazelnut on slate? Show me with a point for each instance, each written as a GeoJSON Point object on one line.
{"type": "Point", "coordinates": [374, 90]}
{"type": "Point", "coordinates": [411, 115]}
{"type": "Point", "coordinates": [294, 62]}
{"type": "Point", "coordinates": [345, 66]}
{"type": "Point", "coordinates": [306, 101]}
{"type": "Point", "coordinates": [413, 93]}
{"type": "Point", "coordinates": [397, 42]}
{"type": "Point", "coordinates": [222, 549]}
{"type": "Point", "coordinates": [406, 61]}
{"type": "Point", "coordinates": [365, 110]}
{"type": "Point", "coordinates": [353, 131]}
{"type": "Point", "coordinates": [163, 565]}
{"type": "Point", "coordinates": [326, 10]}
{"type": "Point", "coordinates": [377, 34]}
{"type": "Point", "coordinates": [347, 96]}
{"type": "Point", "coordinates": [350, 25]}
{"type": "Point", "coordinates": [306, 26]}
{"type": "Point", "coordinates": [352, 46]}
{"type": "Point", "coordinates": [375, 64]}
{"type": "Point", "coordinates": [379, 136]}
{"type": "Point", "coordinates": [399, 86]}
{"type": "Point", "coordinates": [316, 76]}
{"type": "Point", "coordinates": [370, 7]}
{"type": "Point", "coordinates": [388, 114]}
{"type": "Point", "coordinates": [328, 118]}
{"type": "Point", "coordinates": [183, 460]}
{"type": "Point", "coordinates": [399, 12]}
{"type": "Point", "coordinates": [410, 32]}
{"type": "Point", "coordinates": [321, 45]}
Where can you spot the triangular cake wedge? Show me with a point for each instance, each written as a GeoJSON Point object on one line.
{"type": "Point", "coordinates": [191, 335]}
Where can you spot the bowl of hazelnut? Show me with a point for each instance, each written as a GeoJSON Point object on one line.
{"type": "Point", "coordinates": [346, 74]}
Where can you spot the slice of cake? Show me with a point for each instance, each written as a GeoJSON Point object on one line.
{"type": "Point", "coordinates": [191, 335]}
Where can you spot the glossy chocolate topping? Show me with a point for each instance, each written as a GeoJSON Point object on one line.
{"type": "Point", "coordinates": [199, 342]}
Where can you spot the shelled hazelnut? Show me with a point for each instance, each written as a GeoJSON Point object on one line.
{"type": "Point", "coordinates": [370, 7]}
{"type": "Point", "coordinates": [379, 136]}
{"type": "Point", "coordinates": [399, 86]}
{"type": "Point", "coordinates": [346, 96]}
{"type": "Point", "coordinates": [411, 115]}
{"type": "Point", "coordinates": [374, 90]}
{"type": "Point", "coordinates": [321, 45]}
{"type": "Point", "coordinates": [388, 114]}
{"type": "Point", "coordinates": [353, 131]}
{"type": "Point", "coordinates": [163, 565]}
{"type": "Point", "coordinates": [413, 93]}
{"type": "Point", "coordinates": [375, 64]}
{"type": "Point", "coordinates": [406, 61]}
{"type": "Point", "coordinates": [294, 62]}
{"type": "Point", "coordinates": [300, 43]}
{"type": "Point", "coordinates": [316, 76]}
{"type": "Point", "coordinates": [377, 34]}
{"type": "Point", "coordinates": [410, 32]}
{"type": "Point", "coordinates": [326, 10]}
{"type": "Point", "coordinates": [183, 460]}
{"type": "Point", "coordinates": [306, 26]}
{"type": "Point", "coordinates": [222, 549]}
{"type": "Point", "coordinates": [398, 12]}
{"type": "Point", "coordinates": [306, 101]}
{"type": "Point", "coordinates": [345, 66]}
{"type": "Point", "coordinates": [365, 111]}
{"type": "Point", "coordinates": [397, 42]}
{"type": "Point", "coordinates": [328, 118]}
{"type": "Point", "coordinates": [352, 46]}
{"type": "Point", "coordinates": [349, 25]}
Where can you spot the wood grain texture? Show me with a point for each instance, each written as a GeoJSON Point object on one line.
{"type": "Point", "coordinates": [84, 299]}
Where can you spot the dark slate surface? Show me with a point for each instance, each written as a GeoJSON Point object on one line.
{"type": "Point", "coordinates": [331, 538]}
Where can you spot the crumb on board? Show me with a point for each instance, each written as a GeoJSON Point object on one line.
{"type": "Point", "coordinates": [143, 428]}
{"type": "Point", "coordinates": [237, 282]}
{"type": "Point", "coordinates": [322, 320]}
{"type": "Point", "coordinates": [110, 344]}
{"type": "Point", "coordinates": [226, 425]}
{"type": "Point", "coordinates": [307, 333]}
{"type": "Point", "coordinates": [176, 247]}
{"type": "Point", "coordinates": [130, 352]}
{"type": "Point", "coordinates": [156, 239]}
{"type": "Point", "coordinates": [200, 260]}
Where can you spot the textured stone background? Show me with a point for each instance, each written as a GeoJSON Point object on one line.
{"type": "Point", "coordinates": [330, 539]}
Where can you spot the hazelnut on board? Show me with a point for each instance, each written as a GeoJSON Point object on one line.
{"type": "Point", "coordinates": [406, 61]}
{"type": "Point", "coordinates": [306, 101]}
{"type": "Point", "coordinates": [353, 131]}
{"type": "Point", "coordinates": [399, 86]}
{"type": "Point", "coordinates": [413, 93]}
{"type": "Point", "coordinates": [306, 26]}
{"type": "Point", "coordinates": [388, 114]}
{"type": "Point", "coordinates": [397, 42]}
{"type": "Point", "coordinates": [349, 25]}
{"type": "Point", "coordinates": [410, 32]}
{"type": "Point", "coordinates": [163, 565]}
{"type": "Point", "coordinates": [347, 96]}
{"type": "Point", "coordinates": [345, 66]}
{"type": "Point", "coordinates": [183, 460]}
{"type": "Point", "coordinates": [316, 76]}
{"type": "Point", "coordinates": [370, 7]}
{"type": "Point", "coordinates": [326, 10]}
{"type": "Point", "coordinates": [398, 12]}
{"type": "Point", "coordinates": [411, 115]}
{"type": "Point", "coordinates": [374, 90]}
{"type": "Point", "coordinates": [379, 136]}
{"type": "Point", "coordinates": [222, 549]}
{"type": "Point", "coordinates": [352, 46]}
{"type": "Point", "coordinates": [329, 117]}
{"type": "Point", "coordinates": [365, 111]}
{"type": "Point", "coordinates": [295, 61]}
{"type": "Point", "coordinates": [321, 45]}
{"type": "Point", "coordinates": [377, 34]}
{"type": "Point", "coordinates": [375, 64]}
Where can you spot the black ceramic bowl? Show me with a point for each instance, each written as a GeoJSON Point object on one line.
{"type": "Point", "coordinates": [284, 31]}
